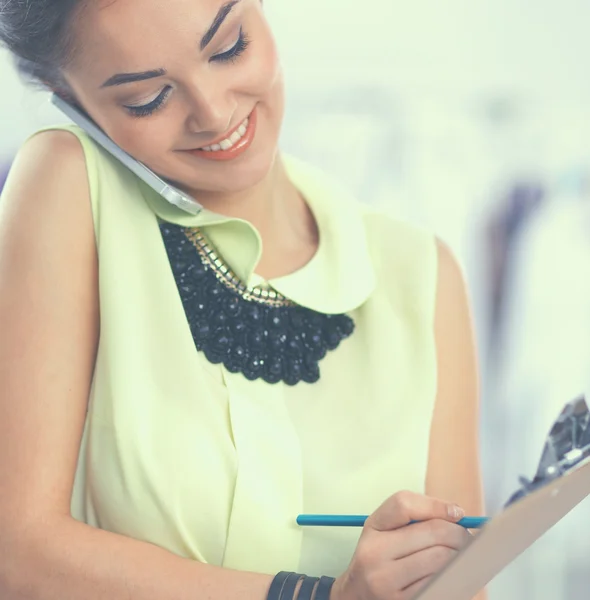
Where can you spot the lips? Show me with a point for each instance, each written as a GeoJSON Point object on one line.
{"type": "Point", "coordinates": [233, 144]}
{"type": "Point", "coordinates": [232, 138]}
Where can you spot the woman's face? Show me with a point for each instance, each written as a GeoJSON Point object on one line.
{"type": "Point", "coordinates": [165, 79]}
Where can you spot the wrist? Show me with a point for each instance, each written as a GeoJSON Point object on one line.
{"type": "Point", "coordinates": [296, 586]}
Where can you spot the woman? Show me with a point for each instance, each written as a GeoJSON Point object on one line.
{"type": "Point", "coordinates": [164, 420]}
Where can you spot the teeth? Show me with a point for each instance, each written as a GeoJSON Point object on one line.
{"type": "Point", "coordinates": [226, 144]}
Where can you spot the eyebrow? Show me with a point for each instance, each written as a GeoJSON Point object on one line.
{"type": "Point", "coordinates": [222, 15]}
{"type": "Point", "coordinates": [123, 78]}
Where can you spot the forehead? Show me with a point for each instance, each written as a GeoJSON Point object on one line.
{"type": "Point", "coordinates": [128, 32]}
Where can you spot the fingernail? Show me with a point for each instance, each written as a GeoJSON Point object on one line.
{"type": "Point", "coordinates": [455, 512]}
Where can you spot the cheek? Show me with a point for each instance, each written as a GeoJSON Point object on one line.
{"type": "Point", "coordinates": [262, 73]}
{"type": "Point", "coordinates": [147, 140]}
{"type": "Point", "coordinates": [275, 74]}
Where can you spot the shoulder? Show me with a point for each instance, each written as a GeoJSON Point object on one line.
{"type": "Point", "coordinates": [45, 203]}
{"type": "Point", "coordinates": [68, 160]}
{"type": "Point", "coordinates": [400, 242]}
{"type": "Point", "coordinates": [47, 242]}
{"type": "Point", "coordinates": [49, 171]}
{"type": "Point", "coordinates": [68, 151]}
{"type": "Point", "coordinates": [418, 264]}
{"type": "Point", "coordinates": [405, 259]}
{"type": "Point", "coordinates": [48, 258]}
{"type": "Point", "coordinates": [45, 150]}
{"type": "Point", "coordinates": [397, 239]}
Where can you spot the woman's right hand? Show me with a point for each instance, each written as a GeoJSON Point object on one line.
{"type": "Point", "coordinates": [393, 559]}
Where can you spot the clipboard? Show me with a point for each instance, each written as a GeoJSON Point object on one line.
{"type": "Point", "coordinates": [562, 481]}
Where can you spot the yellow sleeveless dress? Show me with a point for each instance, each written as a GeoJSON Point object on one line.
{"type": "Point", "coordinates": [185, 455]}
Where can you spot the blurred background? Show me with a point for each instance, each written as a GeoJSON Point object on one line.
{"type": "Point", "coordinates": [471, 117]}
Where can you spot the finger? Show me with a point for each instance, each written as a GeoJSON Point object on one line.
{"type": "Point", "coordinates": [423, 564]}
{"type": "Point", "coordinates": [420, 536]}
{"type": "Point", "coordinates": [403, 507]}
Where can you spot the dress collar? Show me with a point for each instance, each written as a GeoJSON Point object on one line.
{"type": "Point", "coordinates": [339, 277]}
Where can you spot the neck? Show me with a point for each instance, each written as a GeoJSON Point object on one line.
{"type": "Point", "coordinates": [281, 217]}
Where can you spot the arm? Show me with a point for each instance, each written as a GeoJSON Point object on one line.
{"type": "Point", "coordinates": [49, 324]}
{"type": "Point", "coordinates": [453, 467]}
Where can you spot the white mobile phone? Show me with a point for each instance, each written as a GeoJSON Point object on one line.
{"type": "Point", "coordinates": [165, 189]}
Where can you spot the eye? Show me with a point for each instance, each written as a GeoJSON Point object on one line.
{"type": "Point", "coordinates": [144, 110]}
{"type": "Point", "coordinates": [235, 51]}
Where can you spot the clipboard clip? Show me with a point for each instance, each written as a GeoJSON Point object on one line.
{"type": "Point", "coordinates": [567, 446]}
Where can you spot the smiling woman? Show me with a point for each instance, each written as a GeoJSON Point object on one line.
{"type": "Point", "coordinates": [177, 388]}
{"type": "Point", "coordinates": [191, 77]}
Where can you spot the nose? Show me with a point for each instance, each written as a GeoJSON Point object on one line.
{"type": "Point", "coordinates": [211, 109]}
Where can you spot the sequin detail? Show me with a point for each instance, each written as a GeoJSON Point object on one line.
{"type": "Point", "coordinates": [262, 340]}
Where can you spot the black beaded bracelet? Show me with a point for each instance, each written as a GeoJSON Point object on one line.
{"type": "Point", "coordinates": [288, 591]}
{"type": "Point", "coordinates": [276, 587]}
{"type": "Point", "coordinates": [284, 584]}
{"type": "Point", "coordinates": [307, 588]}
{"type": "Point", "coordinates": [324, 587]}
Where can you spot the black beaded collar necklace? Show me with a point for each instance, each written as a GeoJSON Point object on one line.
{"type": "Point", "coordinates": [253, 331]}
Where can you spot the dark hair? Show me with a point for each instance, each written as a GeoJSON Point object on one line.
{"type": "Point", "coordinates": [39, 35]}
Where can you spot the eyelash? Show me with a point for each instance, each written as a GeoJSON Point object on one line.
{"type": "Point", "coordinates": [230, 56]}
{"type": "Point", "coordinates": [147, 109]}
{"type": "Point", "coordinates": [234, 53]}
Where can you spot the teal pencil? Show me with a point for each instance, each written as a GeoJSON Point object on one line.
{"type": "Point", "coordinates": [359, 521]}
